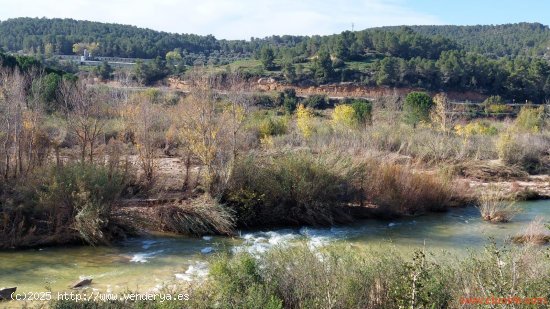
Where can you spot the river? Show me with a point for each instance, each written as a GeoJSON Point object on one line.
{"type": "Point", "coordinates": [148, 263]}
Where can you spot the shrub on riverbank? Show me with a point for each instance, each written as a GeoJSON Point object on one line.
{"type": "Point", "coordinates": [293, 189]}
{"type": "Point", "coordinates": [495, 206]}
{"type": "Point", "coordinates": [320, 189]}
{"type": "Point", "coordinates": [534, 233]}
{"type": "Point", "coordinates": [341, 276]}
{"type": "Point", "coordinates": [397, 190]}
{"type": "Point", "coordinates": [202, 216]}
{"type": "Point", "coordinates": [61, 205]}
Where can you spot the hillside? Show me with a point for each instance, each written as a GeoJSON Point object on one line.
{"type": "Point", "coordinates": [507, 60]}
{"type": "Point", "coordinates": [496, 40]}
{"type": "Point", "coordinates": [130, 41]}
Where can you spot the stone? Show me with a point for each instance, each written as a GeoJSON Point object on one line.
{"type": "Point", "coordinates": [5, 293]}
{"type": "Point", "coordinates": [82, 283]}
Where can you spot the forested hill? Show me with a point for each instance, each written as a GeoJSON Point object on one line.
{"type": "Point", "coordinates": [498, 40]}
{"type": "Point", "coordinates": [34, 34]}
{"type": "Point", "coordinates": [508, 60]}
{"type": "Point", "coordinates": [38, 34]}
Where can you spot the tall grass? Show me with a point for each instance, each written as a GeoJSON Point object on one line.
{"type": "Point", "coordinates": [534, 233]}
{"type": "Point", "coordinates": [322, 189]}
{"type": "Point", "coordinates": [495, 206]}
{"type": "Point", "coordinates": [202, 216]}
{"type": "Point", "coordinates": [396, 189]}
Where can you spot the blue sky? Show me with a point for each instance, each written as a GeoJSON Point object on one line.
{"type": "Point", "coordinates": [242, 19]}
{"type": "Point", "coordinates": [471, 12]}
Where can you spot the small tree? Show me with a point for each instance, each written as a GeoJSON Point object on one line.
{"type": "Point", "coordinates": [363, 111]}
{"type": "Point", "coordinates": [304, 121]}
{"type": "Point", "coordinates": [322, 66]}
{"type": "Point", "coordinates": [417, 108]}
{"type": "Point", "coordinates": [439, 115]}
{"type": "Point", "coordinates": [289, 99]}
{"type": "Point", "coordinates": [144, 118]}
{"type": "Point", "coordinates": [104, 71]}
{"type": "Point", "coordinates": [344, 116]}
{"type": "Point", "coordinates": [289, 72]}
{"type": "Point", "coordinates": [268, 58]}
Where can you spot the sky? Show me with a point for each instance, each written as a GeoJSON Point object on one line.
{"type": "Point", "coordinates": [243, 19]}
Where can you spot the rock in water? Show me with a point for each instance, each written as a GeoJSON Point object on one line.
{"type": "Point", "coordinates": [5, 293]}
{"type": "Point", "coordinates": [82, 283]}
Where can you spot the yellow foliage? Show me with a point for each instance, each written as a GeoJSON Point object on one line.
{"type": "Point", "coordinates": [304, 120]}
{"type": "Point", "coordinates": [530, 119]}
{"type": "Point", "coordinates": [344, 116]}
{"type": "Point", "coordinates": [475, 128]}
{"type": "Point", "coordinates": [438, 114]}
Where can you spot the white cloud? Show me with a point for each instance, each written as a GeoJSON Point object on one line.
{"type": "Point", "coordinates": [231, 19]}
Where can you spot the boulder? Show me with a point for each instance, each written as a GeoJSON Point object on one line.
{"type": "Point", "coordinates": [82, 283]}
{"type": "Point", "coordinates": [5, 293]}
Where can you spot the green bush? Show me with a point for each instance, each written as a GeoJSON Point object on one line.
{"type": "Point", "coordinates": [238, 283]}
{"type": "Point", "coordinates": [417, 108]}
{"type": "Point", "coordinates": [272, 126]}
{"type": "Point", "coordinates": [363, 111]}
{"type": "Point", "coordinates": [316, 101]}
{"type": "Point", "coordinates": [263, 100]}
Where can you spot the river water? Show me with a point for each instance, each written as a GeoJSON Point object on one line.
{"type": "Point", "coordinates": [146, 264]}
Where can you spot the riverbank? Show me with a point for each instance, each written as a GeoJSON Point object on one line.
{"type": "Point", "coordinates": [168, 260]}
{"type": "Point", "coordinates": [341, 276]}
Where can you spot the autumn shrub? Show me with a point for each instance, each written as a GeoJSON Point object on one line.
{"type": "Point", "coordinates": [343, 117]}
{"type": "Point", "coordinates": [304, 121]}
{"type": "Point", "coordinates": [476, 128]}
{"type": "Point", "coordinates": [397, 190]}
{"type": "Point", "coordinates": [271, 126]}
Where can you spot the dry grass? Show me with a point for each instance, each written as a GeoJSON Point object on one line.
{"type": "Point", "coordinates": [494, 205]}
{"type": "Point", "coordinates": [534, 233]}
{"type": "Point", "coordinates": [396, 189]}
{"type": "Point", "coordinates": [202, 216]}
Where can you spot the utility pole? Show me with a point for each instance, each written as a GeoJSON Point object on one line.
{"type": "Point", "coordinates": [352, 26]}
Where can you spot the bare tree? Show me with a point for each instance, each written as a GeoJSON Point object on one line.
{"type": "Point", "coordinates": [83, 112]}
{"type": "Point", "coordinates": [239, 105]}
{"type": "Point", "coordinates": [144, 119]}
{"type": "Point", "coordinates": [12, 99]}
{"type": "Point", "coordinates": [442, 115]}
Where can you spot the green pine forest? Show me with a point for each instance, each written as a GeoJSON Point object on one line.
{"type": "Point", "coordinates": [510, 60]}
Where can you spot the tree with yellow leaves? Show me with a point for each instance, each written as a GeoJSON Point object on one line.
{"type": "Point", "coordinates": [439, 115]}
{"type": "Point", "coordinates": [344, 117]}
{"type": "Point", "coordinates": [304, 121]}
